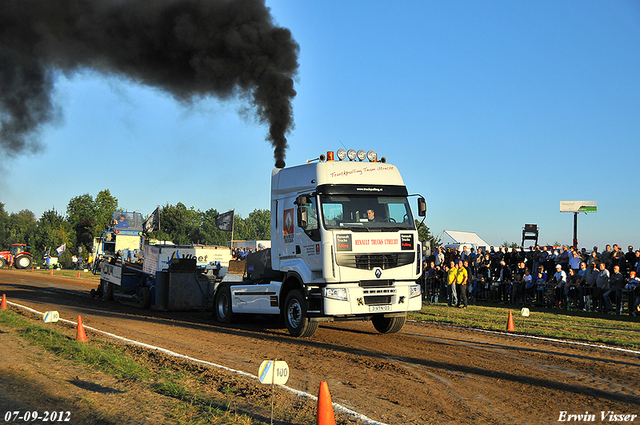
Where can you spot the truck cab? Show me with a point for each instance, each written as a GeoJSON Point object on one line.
{"type": "Point", "coordinates": [344, 246]}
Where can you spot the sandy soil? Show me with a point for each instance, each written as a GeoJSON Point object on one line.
{"type": "Point", "coordinates": [424, 374]}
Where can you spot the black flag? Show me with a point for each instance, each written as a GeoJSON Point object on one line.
{"type": "Point", "coordinates": [225, 221]}
{"type": "Point", "coordinates": [153, 222]}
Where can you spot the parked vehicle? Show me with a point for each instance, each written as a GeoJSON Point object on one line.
{"type": "Point", "coordinates": [17, 256]}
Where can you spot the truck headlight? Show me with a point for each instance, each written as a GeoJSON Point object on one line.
{"type": "Point", "coordinates": [336, 294]}
{"type": "Point", "coordinates": [415, 291]}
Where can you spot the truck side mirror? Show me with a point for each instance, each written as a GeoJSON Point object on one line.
{"type": "Point", "coordinates": [422, 207]}
{"type": "Point", "coordinates": [303, 217]}
{"type": "Point", "coordinates": [303, 213]}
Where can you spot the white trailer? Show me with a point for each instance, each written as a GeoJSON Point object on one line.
{"type": "Point", "coordinates": [344, 246]}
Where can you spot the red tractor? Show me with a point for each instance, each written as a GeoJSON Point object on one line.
{"type": "Point", "coordinates": [17, 255]}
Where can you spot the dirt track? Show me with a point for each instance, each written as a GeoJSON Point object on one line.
{"type": "Point", "coordinates": [424, 374]}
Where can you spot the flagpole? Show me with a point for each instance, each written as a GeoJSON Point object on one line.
{"type": "Point", "coordinates": [233, 220]}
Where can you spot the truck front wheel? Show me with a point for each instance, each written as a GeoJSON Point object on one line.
{"type": "Point", "coordinates": [388, 325]}
{"type": "Point", "coordinates": [222, 305]}
{"type": "Point", "coordinates": [295, 316]}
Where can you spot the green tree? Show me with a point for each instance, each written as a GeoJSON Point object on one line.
{"type": "Point", "coordinates": [89, 217]}
{"type": "Point", "coordinates": [21, 227]}
{"type": "Point", "coordinates": [424, 234]}
{"type": "Point", "coordinates": [81, 215]}
{"type": "Point", "coordinates": [180, 223]}
{"type": "Point", "coordinates": [209, 232]}
{"type": "Point", "coordinates": [52, 230]}
{"type": "Point", "coordinates": [258, 225]}
{"type": "Point", "coordinates": [104, 207]}
{"type": "Point", "coordinates": [4, 228]}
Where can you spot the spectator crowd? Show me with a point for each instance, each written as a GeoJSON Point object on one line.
{"type": "Point", "coordinates": [554, 277]}
{"type": "Point", "coordinates": [240, 253]}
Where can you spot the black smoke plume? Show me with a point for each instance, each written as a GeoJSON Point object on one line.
{"type": "Point", "coordinates": [189, 48]}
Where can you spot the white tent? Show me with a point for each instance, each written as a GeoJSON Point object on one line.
{"type": "Point", "coordinates": [470, 238]}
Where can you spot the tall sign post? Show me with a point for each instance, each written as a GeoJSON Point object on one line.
{"type": "Point", "coordinates": [576, 207]}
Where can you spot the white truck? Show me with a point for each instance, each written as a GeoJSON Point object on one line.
{"type": "Point", "coordinates": [344, 246]}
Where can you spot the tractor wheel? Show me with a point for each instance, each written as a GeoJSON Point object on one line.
{"type": "Point", "coordinates": [295, 316]}
{"type": "Point", "coordinates": [388, 325]}
{"type": "Point", "coordinates": [3, 263]}
{"type": "Point", "coordinates": [23, 261]}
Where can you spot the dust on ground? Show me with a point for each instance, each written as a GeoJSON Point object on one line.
{"type": "Point", "coordinates": [425, 374]}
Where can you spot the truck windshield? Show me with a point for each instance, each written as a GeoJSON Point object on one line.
{"type": "Point", "coordinates": [366, 213]}
{"type": "Point", "coordinates": [127, 221]}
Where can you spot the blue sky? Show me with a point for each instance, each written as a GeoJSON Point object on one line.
{"type": "Point", "coordinates": [494, 111]}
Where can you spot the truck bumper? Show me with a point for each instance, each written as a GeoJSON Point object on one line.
{"type": "Point", "coordinates": [367, 301]}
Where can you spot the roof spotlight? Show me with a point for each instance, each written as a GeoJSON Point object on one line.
{"type": "Point", "coordinates": [351, 154]}
{"type": "Point", "coordinates": [362, 155]}
{"type": "Point", "coordinates": [342, 154]}
{"type": "Point", "coordinates": [372, 156]}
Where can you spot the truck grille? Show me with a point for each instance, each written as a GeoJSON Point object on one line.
{"type": "Point", "coordinates": [372, 261]}
{"type": "Point", "coordinates": [377, 299]}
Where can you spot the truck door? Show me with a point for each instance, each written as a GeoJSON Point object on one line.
{"type": "Point", "coordinates": [308, 231]}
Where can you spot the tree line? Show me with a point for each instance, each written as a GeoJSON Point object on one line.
{"type": "Point", "coordinates": [87, 217]}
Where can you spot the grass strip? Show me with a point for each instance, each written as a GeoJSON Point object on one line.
{"type": "Point", "coordinates": [621, 331]}
{"type": "Point", "coordinates": [191, 407]}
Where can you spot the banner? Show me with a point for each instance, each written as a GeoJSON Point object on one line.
{"type": "Point", "coordinates": [153, 222]}
{"type": "Point", "coordinates": [61, 249]}
{"type": "Point", "coordinates": [225, 221]}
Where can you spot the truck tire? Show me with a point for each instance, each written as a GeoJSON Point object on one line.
{"type": "Point", "coordinates": [23, 261]}
{"type": "Point", "coordinates": [222, 305]}
{"type": "Point", "coordinates": [3, 263]}
{"type": "Point", "coordinates": [105, 290]}
{"type": "Point", "coordinates": [145, 297]}
{"type": "Point", "coordinates": [388, 325]}
{"type": "Point", "coordinates": [295, 316]}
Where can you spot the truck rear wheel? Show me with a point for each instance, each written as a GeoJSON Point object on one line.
{"type": "Point", "coordinates": [145, 297]}
{"type": "Point", "coordinates": [295, 316]}
{"type": "Point", "coordinates": [222, 305]}
{"type": "Point", "coordinates": [23, 262]}
{"type": "Point", "coordinates": [388, 325]}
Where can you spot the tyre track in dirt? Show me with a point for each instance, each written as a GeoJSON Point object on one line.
{"type": "Point", "coordinates": [424, 374]}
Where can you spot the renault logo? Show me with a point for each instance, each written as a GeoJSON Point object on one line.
{"type": "Point", "coordinates": [378, 273]}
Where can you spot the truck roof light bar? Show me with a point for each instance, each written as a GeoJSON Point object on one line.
{"type": "Point", "coordinates": [352, 155]}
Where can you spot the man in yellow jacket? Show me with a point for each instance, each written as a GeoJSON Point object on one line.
{"type": "Point", "coordinates": [452, 274]}
{"type": "Point", "coordinates": [462, 278]}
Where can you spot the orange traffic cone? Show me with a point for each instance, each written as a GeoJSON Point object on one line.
{"type": "Point", "coordinates": [80, 335]}
{"type": "Point", "coordinates": [31, 269]}
{"type": "Point", "coordinates": [51, 272]}
{"type": "Point", "coordinates": [510, 327]}
{"type": "Point", "coordinates": [3, 304]}
{"type": "Point", "coordinates": [325, 408]}
{"type": "Point", "coordinates": [78, 274]}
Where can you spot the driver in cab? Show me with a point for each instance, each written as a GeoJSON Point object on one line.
{"type": "Point", "coordinates": [371, 215]}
